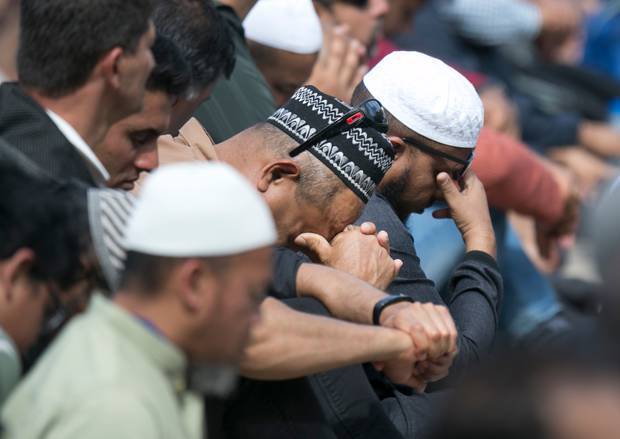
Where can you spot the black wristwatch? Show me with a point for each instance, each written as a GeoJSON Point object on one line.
{"type": "Point", "coordinates": [385, 302]}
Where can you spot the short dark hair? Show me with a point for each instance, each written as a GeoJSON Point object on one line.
{"type": "Point", "coordinates": [202, 35]}
{"type": "Point", "coordinates": [61, 41]}
{"type": "Point", "coordinates": [43, 216]}
{"type": "Point", "coordinates": [147, 274]}
{"type": "Point", "coordinates": [318, 185]}
{"type": "Point", "coordinates": [171, 74]}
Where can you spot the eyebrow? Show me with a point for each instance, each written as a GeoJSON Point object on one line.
{"type": "Point", "coordinates": [148, 132]}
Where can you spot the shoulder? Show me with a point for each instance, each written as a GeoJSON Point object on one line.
{"type": "Point", "coordinates": [108, 413]}
{"type": "Point", "coordinates": [380, 212]}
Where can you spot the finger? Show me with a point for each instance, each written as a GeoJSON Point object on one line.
{"type": "Point", "coordinates": [316, 244]}
{"type": "Point", "coordinates": [420, 341]}
{"type": "Point", "coordinates": [331, 34]}
{"type": "Point", "coordinates": [436, 343]}
{"type": "Point", "coordinates": [442, 317]}
{"type": "Point", "coordinates": [328, 36]}
{"type": "Point", "coordinates": [336, 54]}
{"type": "Point", "coordinates": [384, 240]}
{"type": "Point", "coordinates": [368, 228]}
{"type": "Point", "coordinates": [420, 328]}
{"type": "Point", "coordinates": [436, 371]}
{"type": "Point", "coordinates": [448, 186]}
{"type": "Point", "coordinates": [442, 214]}
{"type": "Point", "coordinates": [350, 62]}
{"type": "Point", "coordinates": [398, 264]}
{"type": "Point", "coordinates": [449, 321]}
{"type": "Point", "coordinates": [421, 367]}
{"type": "Point", "coordinates": [442, 333]}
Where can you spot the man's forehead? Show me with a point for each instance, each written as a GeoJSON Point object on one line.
{"type": "Point", "coordinates": [155, 114]}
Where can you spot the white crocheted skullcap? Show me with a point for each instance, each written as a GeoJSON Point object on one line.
{"type": "Point", "coordinates": [199, 210]}
{"type": "Point", "coordinates": [429, 97]}
{"type": "Point", "coordinates": [291, 25]}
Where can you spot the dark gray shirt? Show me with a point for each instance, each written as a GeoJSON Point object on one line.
{"type": "Point", "coordinates": [473, 296]}
{"type": "Point", "coordinates": [474, 293]}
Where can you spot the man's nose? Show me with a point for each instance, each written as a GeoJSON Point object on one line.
{"type": "Point", "coordinates": [147, 160]}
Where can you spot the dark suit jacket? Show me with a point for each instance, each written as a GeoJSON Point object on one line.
{"type": "Point", "coordinates": [25, 125]}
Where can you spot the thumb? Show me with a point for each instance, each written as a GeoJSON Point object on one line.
{"type": "Point", "coordinates": [316, 244]}
{"type": "Point", "coordinates": [447, 186]}
{"type": "Point", "coordinates": [398, 264]}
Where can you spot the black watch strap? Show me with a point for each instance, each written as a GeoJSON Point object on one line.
{"type": "Point", "coordinates": [385, 302]}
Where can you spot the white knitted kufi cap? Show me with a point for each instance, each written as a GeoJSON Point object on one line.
{"type": "Point", "coordinates": [199, 210]}
{"type": "Point", "coordinates": [429, 97]}
{"type": "Point", "coordinates": [291, 25]}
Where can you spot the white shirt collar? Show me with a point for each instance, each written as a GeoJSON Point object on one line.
{"type": "Point", "coordinates": [76, 140]}
{"type": "Point", "coordinates": [7, 346]}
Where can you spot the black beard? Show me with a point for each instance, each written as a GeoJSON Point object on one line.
{"type": "Point", "coordinates": [393, 190]}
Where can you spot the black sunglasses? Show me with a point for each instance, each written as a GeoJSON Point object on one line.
{"type": "Point", "coordinates": [457, 174]}
{"type": "Point", "coordinates": [369, 114]}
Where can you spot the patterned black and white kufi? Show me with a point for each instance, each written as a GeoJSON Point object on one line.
{"type": "Point", "coordinates": [360, 157]}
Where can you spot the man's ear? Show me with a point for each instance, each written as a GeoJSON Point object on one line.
{"type": "Point", "coordinates": [111, 67]}
{"type": "Point", "coordinates": [197, 286]}
{"type": "Point", "coordinates": [399, 146]}
{"type": "Point", "coordinates": [276, 173]}
{"type": "Point", "coordinates": [14, 268]}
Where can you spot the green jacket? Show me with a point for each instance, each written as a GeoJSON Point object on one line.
{"type": "Point", "coordinates": [106, 376]}
{"type": "Point", "coordinates": [241, 101]}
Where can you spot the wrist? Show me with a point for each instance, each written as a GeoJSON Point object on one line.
{"type": "Point", "coordinates": [390, 343]}
{"type": "Point", "coordinates": [390, 311]}
{"type": "Point", "coordinates": [484, 242]}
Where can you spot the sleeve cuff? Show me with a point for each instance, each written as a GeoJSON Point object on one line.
{"type": "Point", "coordinates": [482, 257]}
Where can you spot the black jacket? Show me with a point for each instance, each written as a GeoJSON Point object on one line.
{"type": "Point", "coordinates": [25, 125]}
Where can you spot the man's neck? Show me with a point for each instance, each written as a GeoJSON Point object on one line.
{"type": "Point", "coordinates": [150, 310]}
{"type": "Point", "coordinates": [241, 7]}
{"type": "Point", "coordinates": [400, 212]}
{"type": "Point", "coordinates": [82, 110]}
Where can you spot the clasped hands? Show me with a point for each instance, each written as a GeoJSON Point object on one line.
{"type": "Point", "coordinates": [433, 343]}
{"type": "Point", "coordinates": [364, 253]}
